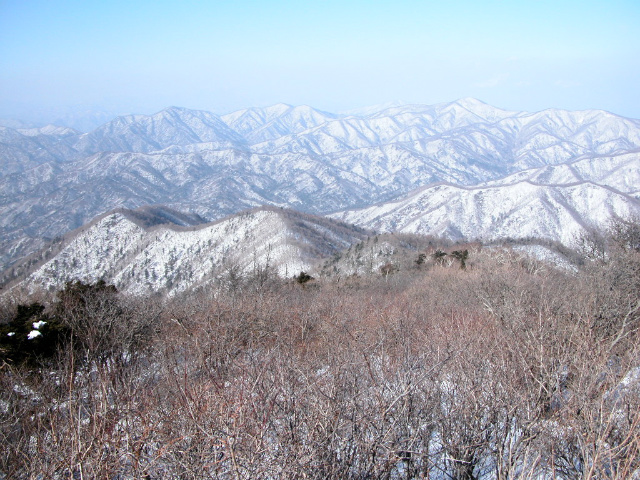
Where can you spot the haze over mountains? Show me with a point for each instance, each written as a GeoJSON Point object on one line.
{"type": "Point", "coordinates": [499, 173]}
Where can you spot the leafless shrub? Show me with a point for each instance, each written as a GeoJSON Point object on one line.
{"type": "Point", "coordinates": [497, 371]}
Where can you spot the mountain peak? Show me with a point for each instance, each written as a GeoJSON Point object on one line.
{"type": "Point", "coordinates": [174, 108]}
{"type": "Point", "coordinates": [471, 102]}
{"type": "Point", "coordinates": [185, 111]}
{"type": "Point", "coordinates": [373, 109]}
{"type": "Point", "coordinates": [281, 106]}
{"type": "Point", "coordinates": [478, 108]}
{"type": "Point", "coordinates": [295, 156]}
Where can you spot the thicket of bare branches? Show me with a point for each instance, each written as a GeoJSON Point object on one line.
{"type": "Point", "coordinates": [504, 369]}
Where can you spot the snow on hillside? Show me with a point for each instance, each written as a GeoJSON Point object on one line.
{"type": "Point", "coordinates": [518, 211]}
{"type": "Point", "coordinates": [54, 180]}
{"type": "Point", "coordinates": [621, 172]}
{"type": "Point", "coordinates": [170, 259]}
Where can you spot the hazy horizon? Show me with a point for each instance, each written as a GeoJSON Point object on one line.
{"type": "Point", "coordinates": [62, 58]}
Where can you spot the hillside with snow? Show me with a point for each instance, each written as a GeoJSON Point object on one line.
{"type": "Point", "coordinates": [518, 211]}
{"type": "Point", "coordinates": [166, 257]}
{"type": "Point", "coordinates": [54, 180]}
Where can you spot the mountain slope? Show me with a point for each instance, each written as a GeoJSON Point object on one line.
{"type": "Point", "coordinates": [148, 133]}
{"type": "Point", "coordinates": [258, 125]}
{"type": "Point", "coordinates": [520, 210]}
{"type": "Point", "coordinates": [621, 172]}
{"type": "Point", "coordinates": [57, 180]}
{"type": "Point", "coordinates": [23, 149]}
{"type": "Point", "coordinates": [121, 249]}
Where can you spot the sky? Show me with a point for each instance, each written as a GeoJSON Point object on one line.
{"type": "Point", "coordinates": [60, 57]}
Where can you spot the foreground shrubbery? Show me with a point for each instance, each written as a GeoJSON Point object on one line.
{"type": "Point", "coordinates": [504, 369]}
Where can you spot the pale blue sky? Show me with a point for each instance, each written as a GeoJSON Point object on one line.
{"type": "Point", "coordinates": [141, 56]}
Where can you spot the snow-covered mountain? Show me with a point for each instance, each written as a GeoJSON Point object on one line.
{"type": "Point", "coordinates": [621, 172]}
{"type": "Point", "coordinates": [170, 127]}
{"type": "Point", "coordinates": [55, 180]}
{"type": "Point", "coordinates": [520, 210]}
{"type": "Point", "coordinates": [148, 252]}
{"type": "Point", "coordinates": [259, 125]}
{"type": "Point", "coordinates": [25, 148]}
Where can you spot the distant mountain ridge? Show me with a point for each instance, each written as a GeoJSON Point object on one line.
{"type": "Point", "coordinates": [53, 180]}
{"type": "Point", "coordinates": [523, 210]}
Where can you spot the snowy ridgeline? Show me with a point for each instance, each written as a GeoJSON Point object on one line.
{"type": "Point", "coordinates": [55, 179]}
{"type": "Point", "coordinates": [522, 210]}
{"type": "Point", "coordinates": [161, 258]}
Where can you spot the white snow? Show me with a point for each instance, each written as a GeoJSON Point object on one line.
{"type": "Point", "coordinates": [545, 174]}
{"type": "Point", "coordinates": [489, 212]}
{"type": "Point", "coordinates": [165, 259]}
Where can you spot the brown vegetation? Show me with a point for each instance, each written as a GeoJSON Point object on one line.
{"type": "Point", "coordinates": [499, 370]}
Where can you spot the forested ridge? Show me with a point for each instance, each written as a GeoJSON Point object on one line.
{"type": "Point", "coordinates": [462, 362]}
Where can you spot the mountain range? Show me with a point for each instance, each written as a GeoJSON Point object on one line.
{"type": "Point", "coordinates": [462, 169]}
